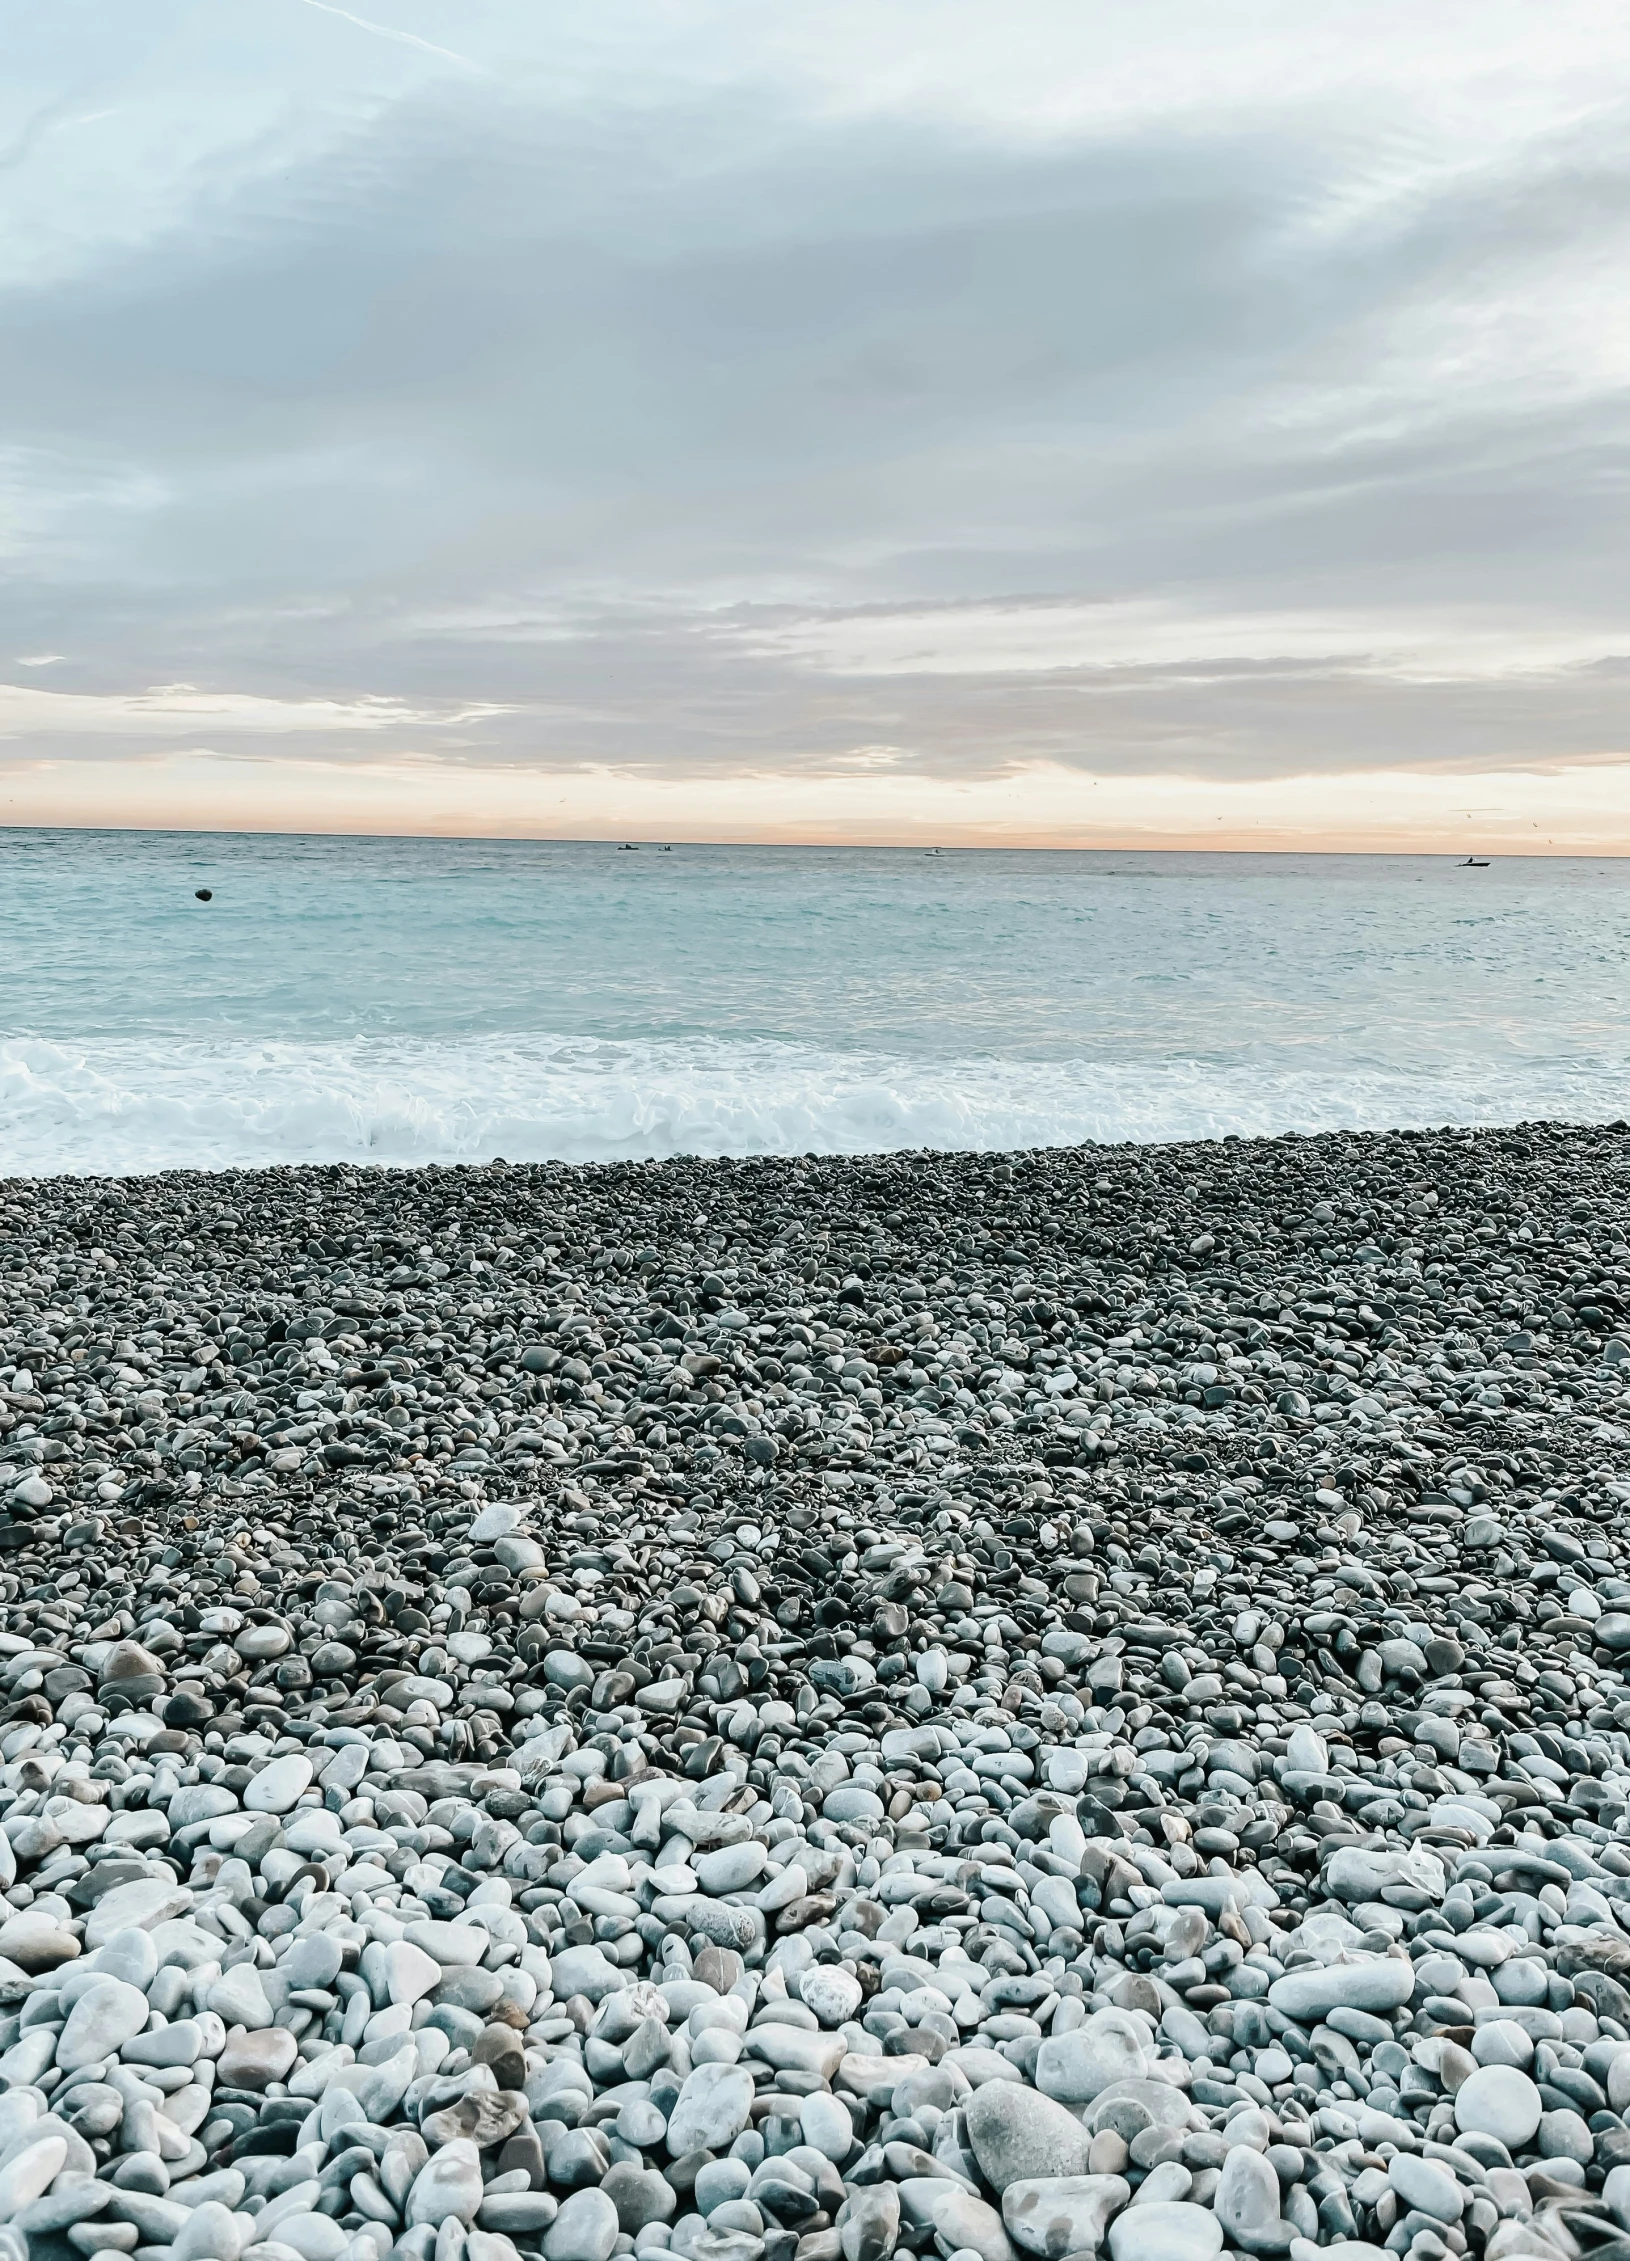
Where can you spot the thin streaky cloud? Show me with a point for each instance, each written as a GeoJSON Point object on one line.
{"type": "Point", "coordinates": [26, 712]}
{"type": "Point", "coordinates": [403, 38]}
{"type": "Point", "coordinates": [48, 119]}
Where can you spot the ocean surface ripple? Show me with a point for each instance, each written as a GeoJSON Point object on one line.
{"type": "Point", "coordinates": [432, 1001]}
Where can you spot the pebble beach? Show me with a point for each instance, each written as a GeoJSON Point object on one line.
{"type": "Point", "coordinates": [988, 1706]}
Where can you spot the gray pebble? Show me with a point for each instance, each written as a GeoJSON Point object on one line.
{"type": "Point", "coordinates": [757, 1743]}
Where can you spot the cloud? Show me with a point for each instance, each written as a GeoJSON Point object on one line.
{"type": "Point", "coordinates": [171, 710]}
{"type": "Point", "coordinates": [389, 31]}
{"type": "Point", "coordinates": [736, 397]}
{"type": "Point", "coordinates": [1135, 641]}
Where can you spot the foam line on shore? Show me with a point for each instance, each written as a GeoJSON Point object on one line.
{"type": "Point", "coordinates": [170, 1103]}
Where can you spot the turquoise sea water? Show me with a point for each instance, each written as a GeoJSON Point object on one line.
{"type": "Point", "coordinates": [412, 1000]}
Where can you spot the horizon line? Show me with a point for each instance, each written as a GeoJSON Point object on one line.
{"type": "Point", "coordinates": [618, 841]}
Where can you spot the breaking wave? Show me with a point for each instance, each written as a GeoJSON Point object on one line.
{"type": "Point", "coordinates": [123, 1107]}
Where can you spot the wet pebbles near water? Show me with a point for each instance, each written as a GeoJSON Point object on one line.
{"type": "Point", "coordinates": [988, 1706]}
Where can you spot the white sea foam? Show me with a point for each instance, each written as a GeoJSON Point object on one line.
{"type": "Point", "coordinates": [121, 1107]}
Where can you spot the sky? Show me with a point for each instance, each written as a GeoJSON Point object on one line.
{"type": "Point", "coordinates": [1060, 422]}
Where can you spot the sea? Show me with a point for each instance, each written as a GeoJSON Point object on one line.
{"type": "Point", "coordinates": [439, 1001]}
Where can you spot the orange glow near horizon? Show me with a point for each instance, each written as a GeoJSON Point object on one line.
{"type": "Point", "coordinates": [1583, 809]}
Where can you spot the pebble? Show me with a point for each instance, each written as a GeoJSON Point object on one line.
{"type": "Point", "coordinates": [101, 2021]}
{"type": "Point", "coordinates": [1500, 2101]}
{"type": "Point", "coordinates": [1169, 2231]}
{"type": "Point", "coordinates": [1076, 2067]}
{"type": "Point", "coordinates": [1247, 2202]}
{"type": "Point", "coordinates": [448, 2186]}
{"type": "Point", "coordinates": [29, 2171]}
{"type": "Point", "coordinates": [1380, 1982]}
{"type": "Point", "coordinates": [1055, 2215]}
{"type": "Point", "coordinates": [1017, 2135]}
{"type": "Point", "coordinates": [989, 1705]}
{"type": "Point", "coordinates": [1425, 2188]}
{"type": "Point", "coordinates": [585, 2229]}
{"type": "Point", "coordinates": [710, 2110]}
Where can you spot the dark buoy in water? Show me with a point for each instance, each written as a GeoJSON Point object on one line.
{"type": "Point", "coordinates": [204, 894]}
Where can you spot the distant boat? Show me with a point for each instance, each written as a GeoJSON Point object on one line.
{"type": "Point", "coordinates": [629, 848]}
{"type": "Point", "coordinates": [1474, 863]}
{"type": "Point", "coordinates": [934, 851]}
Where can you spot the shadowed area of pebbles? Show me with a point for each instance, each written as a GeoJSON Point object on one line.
{"type": "Point", "coordinates": [988, 1706]}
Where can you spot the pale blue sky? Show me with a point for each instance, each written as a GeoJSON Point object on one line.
{"type": "Point", "coordinates": [928, 389]}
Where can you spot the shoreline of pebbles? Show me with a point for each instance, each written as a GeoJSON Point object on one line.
{"type": "Point", "coordinates": [986, 1706]}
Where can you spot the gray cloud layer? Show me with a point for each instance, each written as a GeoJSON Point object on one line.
{"type": "Point", "coordinates": [1292, 438]}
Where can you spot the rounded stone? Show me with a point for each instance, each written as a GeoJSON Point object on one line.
{"type": "Point", "coordinates": [278, 1785]}
{"type": "Point", "coordinates": [255, 2060]}
{"type": "Point", "coordinates": [1246, 2202]}
{"type": "Point", "coordinates": [1499, 2100]}
{"type": "Point", "coordinates": [449, 2186]}
{"type": "Point", "coordinates": [104, 2018]}
{"type": "Point", "coordinates": [515, 2213]}
{"type": "Point", "coordinates": [827, 2126]}
{"type": "Point", "coordinates": [719, 2183]}
{"type": "Point", "coordinates": [962, 2222]}
{"type": "Point", "coordinates": [732, 1868]}
{"type": "Point", "coordinates": [1523, 1981]}
{"type": "Point", "coordinates": [585, 2229]}
{"type": "Point", "coordinates": [314, 1959]}
{"type": "Point", "coordinates": [833, 1993]}
{"type": "Point", "coordinates": [1426, 2188]}
{"type": "Point", "coordinates": [1058, 2214]}
{"type": "Point", "coordinates": [36, 1942]}
{"type": "Point", "coordinates": [850, 1802]}
{"type": "Point", "coordinates": [1171, 2230]}
{"type": "Point", "coordinates": [450, 1946]}
{"type": "Point", "coordinates": [313, 2236]}
{"type": "Point", "coordinates": [261, 1644]}
{"type": "Point", "coordinates": [1373, 1982]}
{"type": "Point", "coordinates": [131, 1956]}
{"type": "Point", "coordinates": [1018, 2135]}
{"type": "Point", "coordinates": [639, 2194]}
{"type": "Point", "coordinates": [1563, 2134]}
{"type": "Point", "coordinates": [239, 1999]}
{"type": "Point", "coordinates": [711, 2110]}
{"type": "Point", "coordinates": [583, 1970]}
{"type": "Point", "coordinates": [31, 2170]}
{"type": "Point", "coordinates": [1076, 2067]}
{"type": "Point", "coordinates": [870, 2228]}
{"type": "Point", "coordinates": [409, 1972]}
{"type": "Point", "coordinates": [132, 1667]}
{"type": "Point", "coordinates": [1502, 2042]}
{"type": "Point", "coordinates": [496, 1521]}
{"type": "Point", "coordinates": [214, 2233]}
